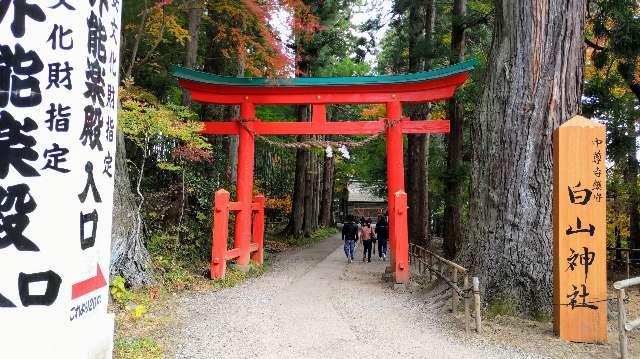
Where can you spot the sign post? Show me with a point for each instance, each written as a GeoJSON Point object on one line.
{"type": "Point", "coordinates": [59, 63]}
{"type": "Point", "coordinates": [579, 231]}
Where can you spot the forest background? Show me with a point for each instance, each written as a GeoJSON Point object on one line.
{"type": "Point", "coordinates": [166, 174]}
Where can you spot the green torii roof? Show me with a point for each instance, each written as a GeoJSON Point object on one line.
{"type": "Point", "coordinates": [207, 78]}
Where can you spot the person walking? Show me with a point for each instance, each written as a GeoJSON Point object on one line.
{"type": "Point", "coordinates": [349, 236]}
{"type": "Point", "coordinates": [382, 233]}
{"type": "Point", "coordinates": [366, 233]}
{"type": "Point", "coordinates": [374, 239]}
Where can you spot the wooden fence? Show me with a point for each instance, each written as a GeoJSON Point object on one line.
{"type": "Point", "coordinates": [435, 266]}
{"type": "Point", "coordinates": [623, 325]}
{"type": "Point", "coordinates": [614, 253]}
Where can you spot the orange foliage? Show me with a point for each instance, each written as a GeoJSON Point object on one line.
{"type": "Point", "coordinates": [278, 203]}
{"type": "Point", "coordinates": [373, 112]}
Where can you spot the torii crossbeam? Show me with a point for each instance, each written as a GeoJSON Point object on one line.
{"type": "Point", "coordinates": [393, 91]}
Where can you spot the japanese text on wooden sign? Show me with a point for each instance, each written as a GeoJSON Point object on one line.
{"type": "Point", "coordinates": [59, 63]}
{"type": "Point", "coordinates": [579, 216]}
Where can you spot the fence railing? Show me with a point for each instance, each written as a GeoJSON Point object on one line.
{"type": "Point", "coordinates": [220, 254]}
{"type": "Point", "coordinates": [451, 273]}
{"type": "Point", "coordinates": [623, 325]}
{"type": "Point", "coordinates": [622, 252]}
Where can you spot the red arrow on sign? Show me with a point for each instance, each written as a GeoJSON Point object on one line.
{"type": "Point", "coordinates": [88, 285]}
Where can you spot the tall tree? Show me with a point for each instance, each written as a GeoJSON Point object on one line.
{"type": "Point", "coordinates": [533, 84]}
{"type": "Point", "coordinates": [454, 180]}
{"type": "Point", "coordinates": [328, 180]}
{"type": "Point", "coordinates": [421, 20]}
{"type": "Point", "coordinates": [194, 18]}
{"type": "Point", "coordinates": [321, 36]}
{"type": "Point", "coordinates": [614, 91]}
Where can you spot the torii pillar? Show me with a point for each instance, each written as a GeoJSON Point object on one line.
{"type": "Point", "coordinates": [399, 260]}
{"type": "Point", "coordinates": [244, 187]}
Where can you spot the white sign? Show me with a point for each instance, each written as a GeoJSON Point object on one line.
{"type": "Point", "coordinates": [59, 63]}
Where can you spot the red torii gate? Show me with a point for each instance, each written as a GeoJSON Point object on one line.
{"type": "Point", "coordinates": [392, 90]}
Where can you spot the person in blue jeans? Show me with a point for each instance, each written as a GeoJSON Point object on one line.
{"type": "Point", "coordinates": [349, 236]}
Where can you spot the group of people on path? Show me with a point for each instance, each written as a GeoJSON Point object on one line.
{"type": "Point", "coordinates": [352, 232]}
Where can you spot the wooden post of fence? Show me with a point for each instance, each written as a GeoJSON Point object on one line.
{"type": "Point", "coordinates": [455, 297]}
{"type": "Point", "coordinates": [467, 299]}
{"type": "Point", "coordinates": [622, 319]}
{"type": "Point", "coordinates": [220, 234]}
{"type": "Point", "coordinates": [476, 302]}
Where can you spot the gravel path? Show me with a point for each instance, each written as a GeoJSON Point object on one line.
{"type": "Point", "coordinates": [313, 305]}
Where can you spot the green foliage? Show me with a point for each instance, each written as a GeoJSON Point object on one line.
{"type": "Point", "coordinates": [502, 307]}
{"type": "Point", "coordinates": [143, 118]}
{"type": "Point", "coordinates": [138, 311]}
{"type": "Point", "coordinates": [122, 296]}
{"type": "Point", "coordinates": [137, 348]}
{"type": "Point", "coordinates": [345, 67]}
{"type": "Point", "coordinates": [119, 292]}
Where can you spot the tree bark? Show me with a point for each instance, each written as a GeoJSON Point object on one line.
{"type": "Point", "coordinates": [533, 84]}
{"type": "Point", "coordinates": [297, 203]}
{"type": "Point", "coordinates": [309, 194]}
{"type": "Point", "coordinates": [327, 191]}
{"type": "Point", "coordinates": [129, 257]}
{"type": "Point", "coordinates": [196, 10]}
{"type": "Point", "coordinates": [296, 221]}
{"type": "Point", "coordinates": [454, 178]}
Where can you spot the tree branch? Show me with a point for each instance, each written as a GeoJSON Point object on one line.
{"type": "Point", "coordinates": [594, 45]}
{"type": "Point", "coordinates": [157, 42]}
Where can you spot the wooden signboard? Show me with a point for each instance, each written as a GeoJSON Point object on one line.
{"type": "Point", "coordinates": [579, 231]}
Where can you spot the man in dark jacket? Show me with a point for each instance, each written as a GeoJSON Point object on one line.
{"type": "Point", "coordinates": [382, 233]}
{"type": "Point", "coordinates": [349, 236]}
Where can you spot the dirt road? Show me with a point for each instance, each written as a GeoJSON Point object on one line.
{"type": "Point", "coordinates": [315, 305]}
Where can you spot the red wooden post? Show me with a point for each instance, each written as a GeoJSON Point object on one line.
{"type": "Point", "coordinates": [244, 187]}
{"type": "Point", "coordinates": [258, 231]}
{"type": "Point", "coordinates": [395, 169]}
{"type": "Point", "coordinates": [319, 114]}
{"type": "Point", "coordinates": [220, 234]}
{"type": "Point", "coordinates": [401, 269]}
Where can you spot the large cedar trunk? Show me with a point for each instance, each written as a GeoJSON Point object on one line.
{"type": "Point", "coordinates": [533, 84]}
{"type": "Point", "coordinates": [309, 191]}
{"type": "Point", "coordinates": [297, 204]}
{"type": "Point", "coordinates": [327, 191]}
{"type": "Point", "coordinates": [453, 182]}
{"type": "Point", "coordinates": [296, 220]}
{"type": "Point", "coordinates": [129, 257]}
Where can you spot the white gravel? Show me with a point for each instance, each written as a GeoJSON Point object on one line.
{"type": "Point", "coordinates": [313, 305]}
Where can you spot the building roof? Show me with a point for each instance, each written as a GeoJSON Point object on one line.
{"type": "Point", "coordinates": [359, 193]}
{"type": "Point", "coordinates": [207, 78]}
